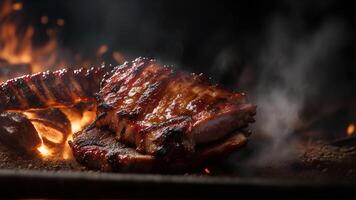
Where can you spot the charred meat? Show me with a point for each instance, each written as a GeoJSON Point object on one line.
{"type": "Point", "coordinates": [99, 149]}
{"type": "Point", "coordinates": [61, 88]}
{"type": "Point", "coordinates": [17, 132]}
{"type": "Point", "coordinates": [149, 116]}
{"type": "Point", "coordinates": [166, 113]}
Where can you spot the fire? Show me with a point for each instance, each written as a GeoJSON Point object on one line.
{"type": "Point", "coordinates": [16, 42]}
{"type": "Point", "coordinates": [77, 124]}
{"type": "Point", "coordinates": [350, 129]}
{"type": "Point", "coordinates": [79, 120]}
{"type": "Point", "coordinates": [55, 143]}
{"type": "Point", "coordinates": [48, 133]}
{"type": "Point", "coordinates": [17, 48]}
{"type": "Point", "coordinates": [66, 151]}
{"type": "Point", "coordinates": [44, 151]}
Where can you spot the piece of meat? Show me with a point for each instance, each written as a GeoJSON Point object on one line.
{"type": "Point", "coordinates": [60, 88]}
{"type": "Point", "coordinates": [98, 149]}
{"type": "Point", "coordinates": [174, 118]}
{"type": "Point", "coordinates": [166, 113]}
{"type": "Point", "coordinates": [18, 133]}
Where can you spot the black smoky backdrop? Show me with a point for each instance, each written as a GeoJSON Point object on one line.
{"type": "Point", "coordinates": [295, 59]}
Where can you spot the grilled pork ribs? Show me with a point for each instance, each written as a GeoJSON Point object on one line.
{"type": "Point", "coordinates": [149, 117]}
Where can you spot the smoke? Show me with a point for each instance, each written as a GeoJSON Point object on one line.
{"type": "Point", "coordinates": [133, 28]}
{"type": "Point", "coordinates": [295, 63]}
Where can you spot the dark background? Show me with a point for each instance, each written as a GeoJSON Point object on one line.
{"type": "Point", "coordinates": [192, 34]}
{"type": "Point", "coordinates": [302, 51]}
{"type": "Point", "coordinates": [295, 59]}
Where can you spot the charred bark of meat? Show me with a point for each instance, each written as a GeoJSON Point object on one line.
{"type": "Point", "coordinates": [164, 113]}
{"type": "Point", "coordinates": [98, 149]}
{"type": "Point", "coordinates": [159, 118]}
{"type": "Point", "coordinates": [18, 133]}
{"type": "Point", "coordinates": [61, 88]}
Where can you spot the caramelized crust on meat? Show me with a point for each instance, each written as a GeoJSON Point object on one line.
{"type": "Point", "coordinates": [51, 89]}
{"type": "Point", "coordinates": [149, 117]}
{"type": "Point", "coordinates": [98, 149]}
{"type": "Point", "coordinates": [163, 112]}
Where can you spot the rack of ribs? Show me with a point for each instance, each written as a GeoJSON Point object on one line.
{"type": "Point", "coordinates": [149, 116]}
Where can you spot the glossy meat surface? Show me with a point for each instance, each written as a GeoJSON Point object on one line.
{"type": "Point", "coordinates": [163, 112]}
{"type": "Point", "coordinates": [98, 149]}
{"type": "Point", "coordinates": [150, 118]}
{"type": "Point", "coordinates": [60, 88]}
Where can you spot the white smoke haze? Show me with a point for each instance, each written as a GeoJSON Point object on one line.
{"type": "Point", "coordinates": [293, 67]}
{"type": "Point", "coordinates": [226, 64]}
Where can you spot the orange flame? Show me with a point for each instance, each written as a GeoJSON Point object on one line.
{"type": "Point", "coordinates": [350, 129]}
{"type": "Point", "coordinates": [77, 124]}
{"type": "Point", "coordinates": [54, 143]}
{"type": "Point", "coordinates": [49, 133]}
{"type": "Point", "coordinates": [17, 6]}
{"type": "Point", "coordinates": [16, 45]}
{"type": "Point", "coordinates": [44, 150]}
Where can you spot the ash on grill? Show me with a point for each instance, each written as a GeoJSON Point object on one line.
{"type": "Point", "coordinates": [332, 159]}
{"type": "Point", "coordinates": [11, 160]}
{"type": "Point", "coordinates": [316, 161]}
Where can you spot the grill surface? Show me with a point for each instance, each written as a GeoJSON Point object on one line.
{"type": "Point", "coordinates": [30, 177]}
{"type": "Point", "coordinates": [37, 184]}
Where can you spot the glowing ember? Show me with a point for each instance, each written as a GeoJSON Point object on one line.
{"type": "Point", "coordinates": [77, 124]}
{"type": "Point", "coordinates": [62, 149]}
{"type": "Point", "coordinates": [79, 120]}
{"type": "Point", "coordinates": [44, 151]}
{"type": "Point", "coordinates": [66, 152]}
{"type": "Point", "coordinates": [102, 49]}
{"type": "Point", "coordinates": [54, 142]}
{"type": "Point", "coordinates": [207, 171]}
{"type": "Point", "coordinates": [17, 6]}
{"type": "Point", "coordinates": [350, 129]}
{"type": "Point", "coordinates": [118, 57]}
{"type": "Point", "coordinates": [60, 22]}
{"type": "Point", "coordinates": [49, 133]}
{"type": "Point", "coordinates": [44, 20]}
